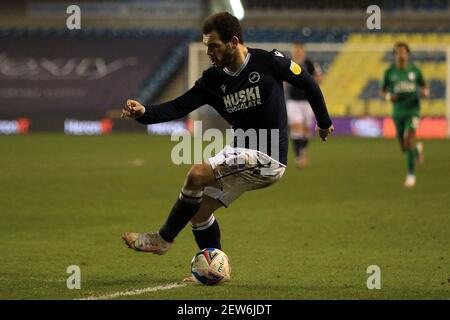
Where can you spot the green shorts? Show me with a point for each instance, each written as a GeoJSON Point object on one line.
{"type": "Point", "coordinates": [406, 123]}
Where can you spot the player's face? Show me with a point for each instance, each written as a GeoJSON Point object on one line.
{"type": "Point", "coordinates": [221, 54]}
{"type": "Point", "coordinates": [298, 54]}
{"type": "Point", "coordinates": [401, 54]}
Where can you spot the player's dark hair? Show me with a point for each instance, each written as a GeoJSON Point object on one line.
{"type": "Point", "coordinates": [401, 45]}
{"type": "Point", "coordinates": [225, 24]}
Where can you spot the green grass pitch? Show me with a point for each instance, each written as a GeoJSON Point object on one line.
{"type": "Point", "coordinates": [65, 200]}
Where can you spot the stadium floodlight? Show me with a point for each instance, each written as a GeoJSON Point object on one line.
{"type": "Point", "coordinates": [238, 9]}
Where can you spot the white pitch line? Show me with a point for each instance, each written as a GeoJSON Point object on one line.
{"type": "Point", "coordinates": [135, 292]}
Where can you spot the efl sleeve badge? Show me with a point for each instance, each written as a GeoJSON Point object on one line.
{"type": "Point", "coordinates": [295, 68]}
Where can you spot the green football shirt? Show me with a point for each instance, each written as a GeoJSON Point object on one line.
{"type": "Point", "coordinates": [405, 84]}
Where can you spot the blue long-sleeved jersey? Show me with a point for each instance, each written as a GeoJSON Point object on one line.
{"type": "Point", "coordinates": [250, 98]}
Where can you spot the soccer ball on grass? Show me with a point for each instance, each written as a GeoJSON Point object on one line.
{"type": "Point", "coordinates": [210, 266]}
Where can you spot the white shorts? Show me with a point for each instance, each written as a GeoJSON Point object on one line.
{"type": "Point", "coordinates": [299, 111]}
{"type": "Point", "coordinates": [238, 170]}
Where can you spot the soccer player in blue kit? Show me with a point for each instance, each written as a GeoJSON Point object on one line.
{"type": "Point", "coordinates": [245, 86]}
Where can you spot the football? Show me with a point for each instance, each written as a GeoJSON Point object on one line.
{"type": "Point", "coordinates": [210, 266]}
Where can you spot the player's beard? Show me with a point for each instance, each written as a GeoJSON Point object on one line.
{"type": "Point", "coordinates": [227, 59]}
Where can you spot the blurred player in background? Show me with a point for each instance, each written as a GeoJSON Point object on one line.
{"type": "Point", "coordinates": [403, 84]}
{"type": "Point", "coordinates": [245, 86]}
{"type": "Point", "coordinates": [300, 114]}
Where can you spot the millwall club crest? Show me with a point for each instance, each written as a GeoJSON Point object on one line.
{"type": "Point", "coordinates": [253, 77]}
{"type": "Point", "coordinates": [223, 87]}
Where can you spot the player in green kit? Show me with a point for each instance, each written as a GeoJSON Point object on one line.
{"type": "Point", "coordinates": [403, 84]}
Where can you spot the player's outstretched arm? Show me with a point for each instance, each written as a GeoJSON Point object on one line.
{"type": "Point", "coordinates": [288, 70]}
{"type": "Point", "coordinates": [315, 98]}
{"type": "Point", "coordinates": [167, 111]}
